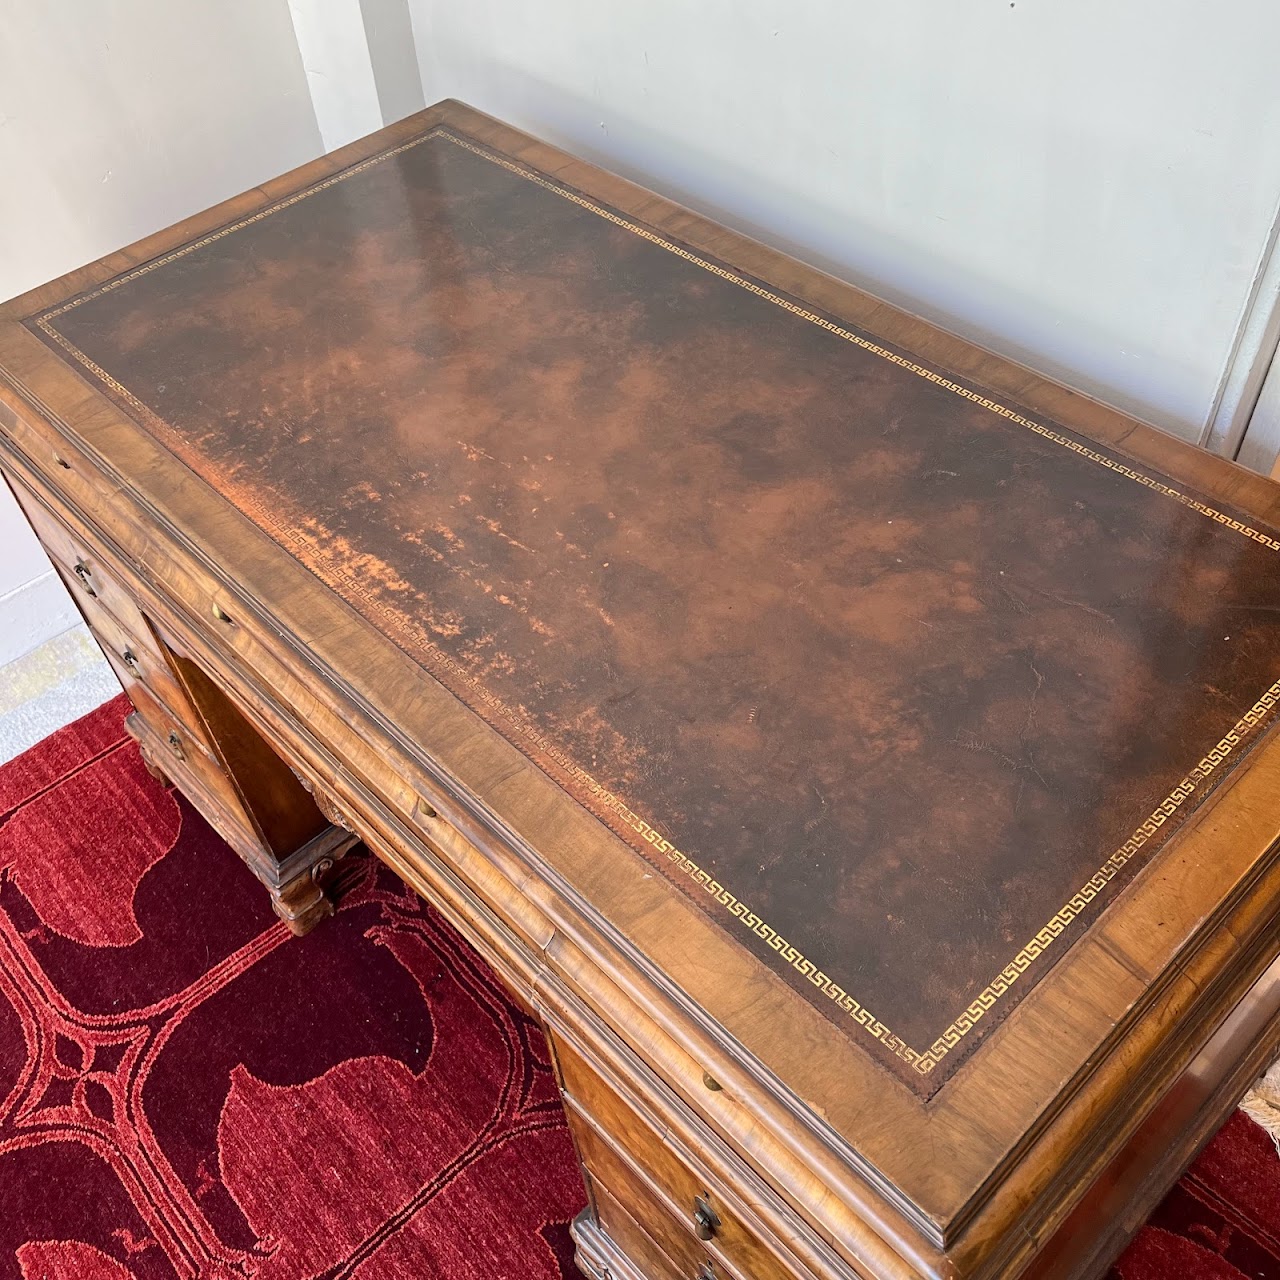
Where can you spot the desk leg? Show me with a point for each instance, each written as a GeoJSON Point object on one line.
{"type": "Point", "coordinates": [599, 1258]}
{"type": "Point", "coordinates": [297, 882]}
{"type": "Point", "coordinates": [300, 899]}
{"type": "Point", "coordinates": [290, 839]}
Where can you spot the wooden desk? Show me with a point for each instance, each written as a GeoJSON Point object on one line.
{"type": "Point", "coordinates": [857, 750]}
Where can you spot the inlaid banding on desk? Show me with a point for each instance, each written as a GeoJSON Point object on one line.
{"type": "Point", "coordinates": [817, 627]}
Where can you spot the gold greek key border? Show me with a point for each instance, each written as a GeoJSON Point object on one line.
{"type": "Point", "coordinates": [901, 361]}
{"type": "Point", "coordinates": [922, 1061]}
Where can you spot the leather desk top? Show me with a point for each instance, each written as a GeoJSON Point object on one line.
{"type": "Point", "coordinates": [898, 680]}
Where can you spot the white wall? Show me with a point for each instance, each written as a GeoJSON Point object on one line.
{"type": "Point", "coordinates": [118, 117]}
{"type": "Point", "coordinates": [1086, 186]}
{"type": "Point", "coordinates": [34, 604]}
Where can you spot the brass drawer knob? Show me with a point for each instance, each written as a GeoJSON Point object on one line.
{"type": "Point", "coordinates": [82, 572]}
{"type": "Point", "coordinates": [130, 660]}
{"type": "Point", "coordinates": [706, 1272]}
{"type": "Point", "coordinates": [175, 745]}
{"type": "Point", "coordinates": [61, 461]}
{"type": "Point", "coordinates": [221, 614]}
{"type": "Point", "coordinates": [705, 1219]}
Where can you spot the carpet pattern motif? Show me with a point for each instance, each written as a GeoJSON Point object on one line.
{"type": "Point", "coordinates": [186, 1091]}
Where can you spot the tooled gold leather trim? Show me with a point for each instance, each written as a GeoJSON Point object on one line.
{"type": "Point", "coordinates": [922, 1061]}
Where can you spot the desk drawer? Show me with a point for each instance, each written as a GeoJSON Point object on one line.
{"type": "Point", "coordinates": [138, 661]}
{"type": "Point", "coordinates": [640, 1248]}
{"type": "Point", "coordinates": [638, 1219]}
{"type": "Point", "coordinates": [109, 609]}
{"type": "Point", "coordinates": [82, 568]}
{"type": "Point", "coordinates": [62, 465]}
{"type": "Point", "coordinates": [173, 750]}
{"type": "Point", "coordinates": [636, 1142]}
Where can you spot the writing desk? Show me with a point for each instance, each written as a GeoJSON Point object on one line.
{"type": "Point", "coordinates": [856, 750]}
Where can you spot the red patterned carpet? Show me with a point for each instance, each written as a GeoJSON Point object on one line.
{"type": "Point", "coordinates": [185, 1091]}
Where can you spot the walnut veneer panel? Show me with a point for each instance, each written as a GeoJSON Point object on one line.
{"type": "Point", "coordinates": [899, 680]}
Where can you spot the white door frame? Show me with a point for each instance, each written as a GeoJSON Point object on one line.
{"type": "Point", "coordinates": [1244, 422]}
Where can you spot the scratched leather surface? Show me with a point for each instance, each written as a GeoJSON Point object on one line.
{"type": "Point", "coordinates": [900, 673]}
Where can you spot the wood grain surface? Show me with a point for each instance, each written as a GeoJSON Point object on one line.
{"type": "Point", "coordinates": [1097, 1084]}
{"type": "Point", "coordinates": [897, 681]}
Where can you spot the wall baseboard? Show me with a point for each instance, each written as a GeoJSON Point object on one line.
{"type": "Point", "coordinates": [33, 613]}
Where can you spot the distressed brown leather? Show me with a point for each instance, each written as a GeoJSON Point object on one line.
{"type": "Point", "coordinates": [899, 681]}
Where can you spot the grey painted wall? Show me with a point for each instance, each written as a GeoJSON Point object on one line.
{"type": "Point", "coordinates": [361, 64]}
{"type": "Point", "coordinates": [116, 120]}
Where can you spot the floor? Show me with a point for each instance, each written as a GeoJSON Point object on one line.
{"type": "Point", "coordinates": [194, 1093]}
{"type": "Point", "coordinates": [1201, 1232]}
{"type": "Point", "coordinates": [51, 686]}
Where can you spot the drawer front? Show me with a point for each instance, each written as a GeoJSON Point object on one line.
{"type": "Point", "coordinates": [88, 579]}
{"type": "Point", "coordinates": [680, 1186]}
{"type": "Point", "coordinates": [179, 754]}
{"type": "Point", "coordinates": [138, 661]}
{"type": "Point", "coordinates": [636, 1243]}
{"type": "Point", "coordinates": [116, 621]}
{"type": "Point", "coordinates": [66, 469]}
{"type": "Point", "coordinates": [652, 1221]}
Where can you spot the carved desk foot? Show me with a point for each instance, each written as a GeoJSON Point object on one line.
{"type": "Point", "coordinates": [299, 897]}
{"type": "Point", "coordinates": [151, 763]}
